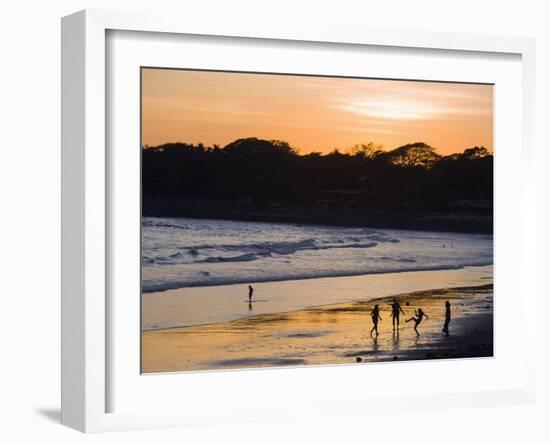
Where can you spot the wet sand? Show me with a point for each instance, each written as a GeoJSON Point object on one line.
{"type": "Point", "coordinates": [216, 304]}
{"type": "Point", "coordinates": [332, 334]}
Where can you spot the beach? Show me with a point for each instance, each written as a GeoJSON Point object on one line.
{"type": "Point", "coordinates": [224, 303]}
{"type": "Point", "coordinates": [336, 333]}
{"type": "Point", "coordinates": [313, 288]}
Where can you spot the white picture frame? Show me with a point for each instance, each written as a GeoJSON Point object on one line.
{"type": "Point", "coordinates": [86, 317]}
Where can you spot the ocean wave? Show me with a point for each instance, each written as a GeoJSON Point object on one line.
{"type": "Point", "coordinates": [250, 252]}
{"type": "Point", "coordinates": [240, 258]}
{"type": "Point", "coordinates": [213, 252]}
{"type": "Point", "coordinates": [150, 223]}
{"type": "Point", "coordinates": [160, 286]}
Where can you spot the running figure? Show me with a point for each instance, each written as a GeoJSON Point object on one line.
{"type": "Point", "coordinates": [250, 292]}
{"type": "Point", "coordinates": [447, 317]}
{"type": "Point", "coordinates": [395, 310]}
{"type": "Point", "coordinates": [419, 315]}
{"type": "Point", "coordinates": [375, 315]}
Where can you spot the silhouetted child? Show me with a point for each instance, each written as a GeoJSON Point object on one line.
{"type": "Point", "coordinates": [419, 315]}
{"type": "Point", "coordinates": [250, 292]}
{"type": "Point", "coordinates": [375, 315]}
{"type": "Point", "coordinates": [395, 310]}
{"type": "Point", "coordinates": [447, 317]}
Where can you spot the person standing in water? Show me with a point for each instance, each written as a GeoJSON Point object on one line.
{"type": "Point", "coordinates": [395, 310]}
{"type": "Point", "coordinates": [250, 292]}
{"type": "Point", "coordinates": [419, 315]}
{"type": "Point", "coordinates": [375, 315]}
{"type": "Point", "coordinates": [447, 317]}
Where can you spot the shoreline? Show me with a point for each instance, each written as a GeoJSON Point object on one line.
{"type": "Point", "coordinates": [330, 334]}
{"type": "Point", "coordinates": [322, 306]}
{"type": "Point", "coordinates": [309, 278]}
{"type": "Point", "coordinates": [220, 304]}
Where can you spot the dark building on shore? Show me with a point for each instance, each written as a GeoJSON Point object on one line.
{"type": "Point", "coordinates": [344, 199]}
{"type": "Point", "coordinates": [471, 208]}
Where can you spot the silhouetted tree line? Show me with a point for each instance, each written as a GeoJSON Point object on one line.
{"type": "Point", "coordinates": [267, 173]}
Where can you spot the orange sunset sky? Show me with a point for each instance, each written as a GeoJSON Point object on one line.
{"type": "Point", "coordinates": [313, 113]}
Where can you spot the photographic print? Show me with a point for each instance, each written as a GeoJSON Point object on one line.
{"type": "Point", "coordinates": [296, 220]}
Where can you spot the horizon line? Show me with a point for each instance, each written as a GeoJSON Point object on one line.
{"type": "Point", "coordinates": [297, 150]}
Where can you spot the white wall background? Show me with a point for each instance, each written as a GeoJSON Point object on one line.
{"type": "Point", "coordinates": [30, 214]}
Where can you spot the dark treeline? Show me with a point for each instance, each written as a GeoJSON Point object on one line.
{"type": "Point", "coordinates": [272, 174]}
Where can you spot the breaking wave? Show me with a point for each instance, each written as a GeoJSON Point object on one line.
{"type": "Point", "coordinates": [189, 253]}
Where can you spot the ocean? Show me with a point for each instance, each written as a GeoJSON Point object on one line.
{"type": "Point", "coordinates": [179, 252]}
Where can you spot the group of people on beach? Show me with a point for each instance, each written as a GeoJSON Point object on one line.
{"type": "Point", "coordinates": [396, 310]}
{"type": "Point", "coordinates": [419, 315]}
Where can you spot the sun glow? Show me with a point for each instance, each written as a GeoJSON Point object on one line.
{"type": "Point", "coordinates": [394, 110]}
{"type": "Point", "coordinates": [313, 114]}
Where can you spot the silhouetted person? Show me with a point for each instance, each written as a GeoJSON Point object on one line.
{"type": "Point", "coordinates": [447, 317]}
{"type": "Point", "coordinates": [375, 315]}
{"type": "Point", "coordinates": [419, 315]}
{"type": "Point", "coordinates": [250, 292]}
{"type": "Point", "coordinates": [395, 310]}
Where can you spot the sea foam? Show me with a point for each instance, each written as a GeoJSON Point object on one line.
{"type": "Point", "coordinates": [181, 252]}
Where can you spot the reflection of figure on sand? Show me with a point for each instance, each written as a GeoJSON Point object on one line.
{"type": "Point", "coordinates": [395, 310]}
{"type": "Point", "coordinates": [375, 315]}
{"type": "Point", "coordinates": [447, 317]}
{"type": "Point", "coordinates": [250, 292]}
{"type": "Point", "coordinates": [375, 346]}
{"type": "Point", "coordinates": [395, 339]}
{"type": "Point", "coordinates": [250, 305]}
{"type": "Point", "coordinates": [419, 315]}
{"type": "Point", "coordinates": [395, 335]}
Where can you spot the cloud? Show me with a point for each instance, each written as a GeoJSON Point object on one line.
{"type": "Point", "coordinates": [412, 108]}
{"type": "Point", "coordinates": [390, 109]}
